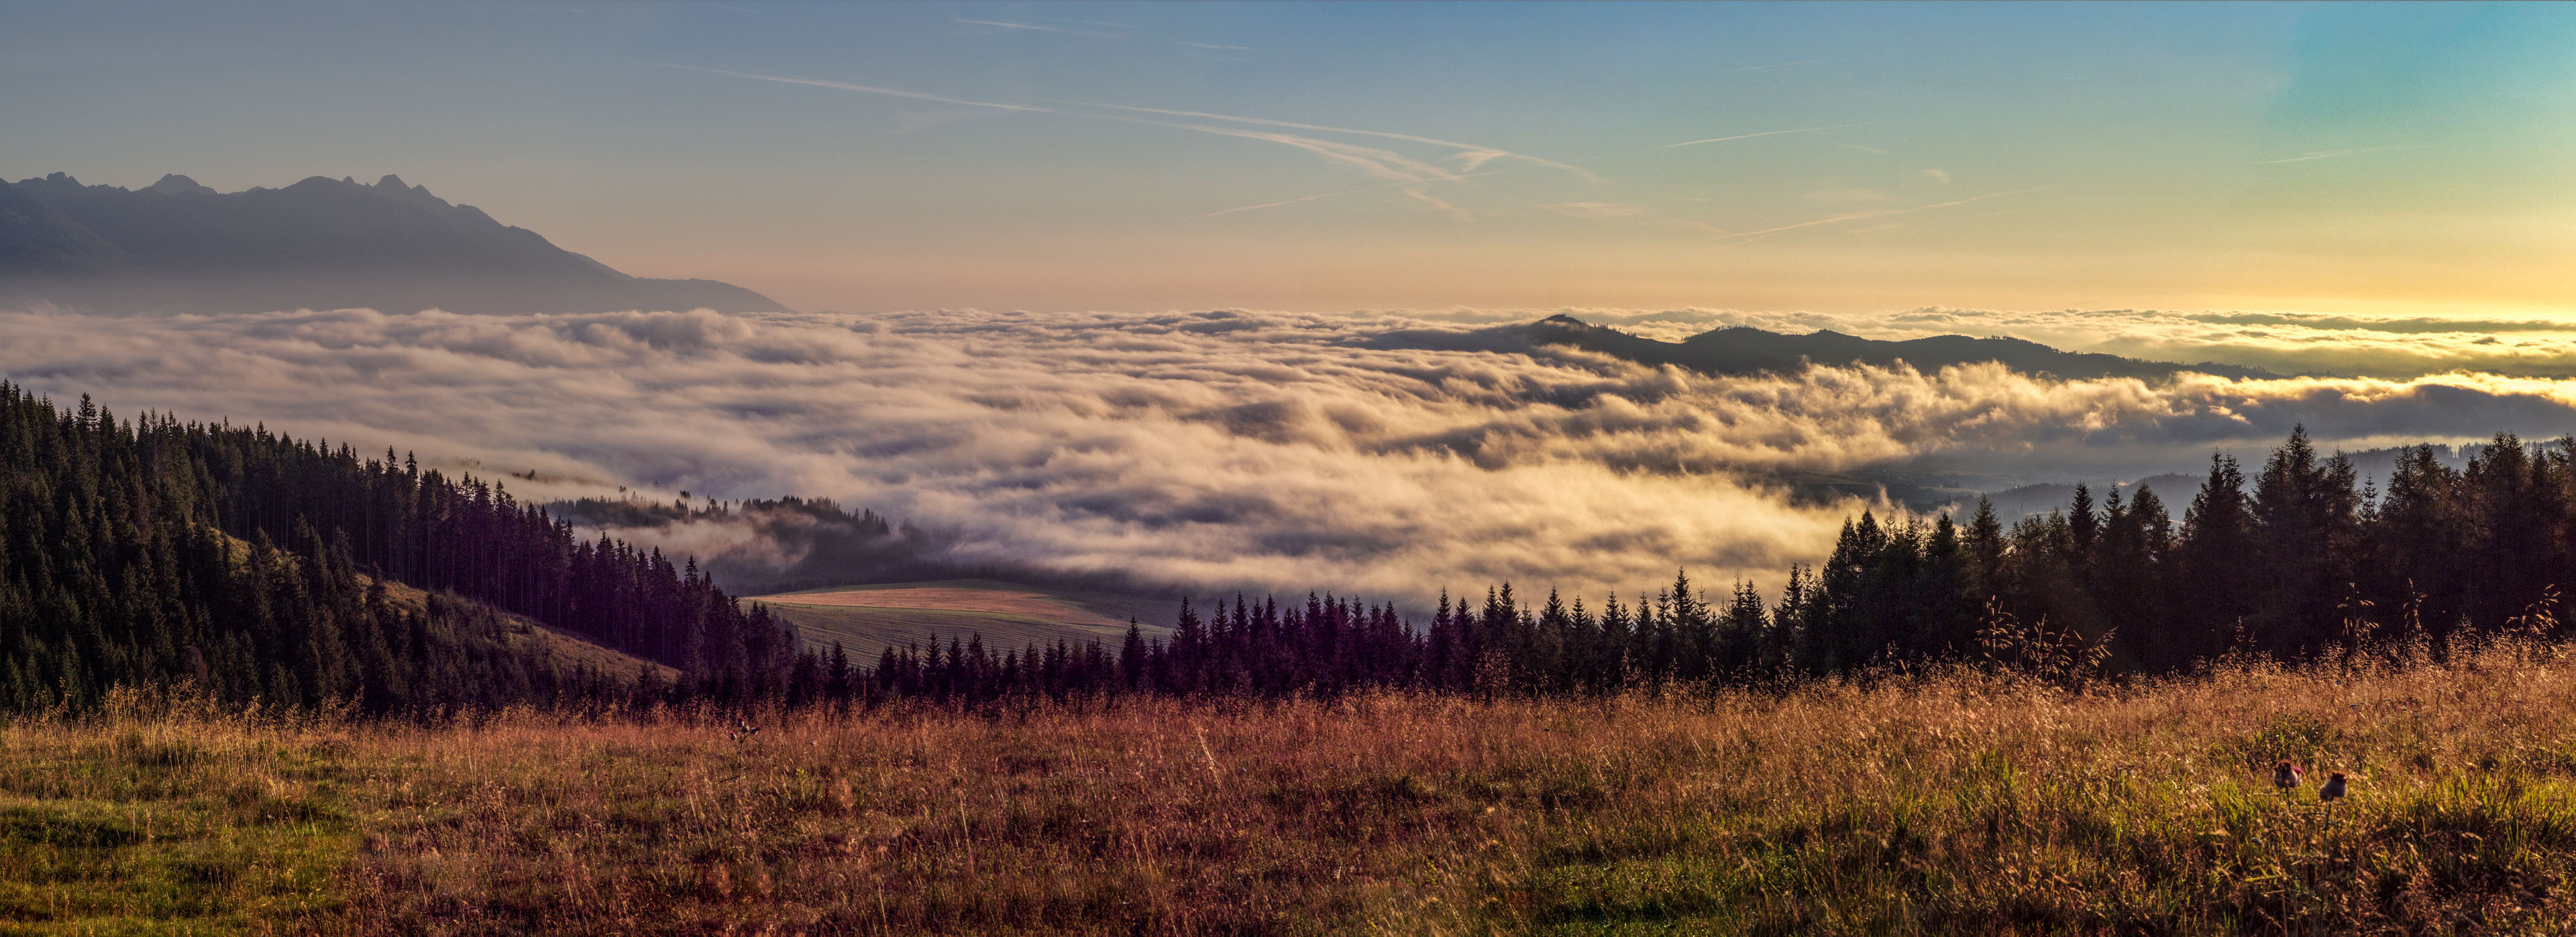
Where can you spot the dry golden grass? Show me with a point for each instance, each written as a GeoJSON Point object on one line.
{"type": "Point", "coordinates": [1955, 804]}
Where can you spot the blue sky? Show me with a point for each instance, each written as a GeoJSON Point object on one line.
{"type": "Point", "coordinates": [2402, 159]}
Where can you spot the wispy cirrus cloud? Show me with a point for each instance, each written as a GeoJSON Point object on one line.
{"type": "Point", "coordinates": [1473, 155]}
{"type": "Point", "coordinates": [1384, 164]}
{"type": "Point", "coordinates": [863, 89]}
{"type": "Point", "coordinates": [1319, 196]}
{"type": "Point", "coordinates": [2332, 154]}
{"type": "Point", "coordinates": [1765, 68]}
{"type": "Point", "coordinates": [1744, 237]}
{"type": "Point", "coordinates": [1038, 27]}
{"type": "Point", "coordinates": [1404, 171]}
{"type": "Point", "coordinates": [1595, 209]}
{"type": "Point", "coordinates": [1766, 133]}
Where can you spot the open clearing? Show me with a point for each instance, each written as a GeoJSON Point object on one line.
{"type": "Point", "coordinates": [1008, 616]}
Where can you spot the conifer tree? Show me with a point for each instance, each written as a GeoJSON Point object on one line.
{"type": "Point", "coordinates": [2216, 589]}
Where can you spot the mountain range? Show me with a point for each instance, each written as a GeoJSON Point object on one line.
{"type": "Point", "coordinates": [178, 246]}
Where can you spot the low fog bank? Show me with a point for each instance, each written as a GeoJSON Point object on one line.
{"type": "Point", "coordinates": [1212, 450]}
{"type": "Point", "coordinates": [764, 546]}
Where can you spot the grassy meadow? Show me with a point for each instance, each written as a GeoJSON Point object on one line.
{"type": "Point", "coordinates": [1946, 804]}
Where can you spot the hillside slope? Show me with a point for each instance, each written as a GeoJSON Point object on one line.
{"type": "Point", "coordinates": [867, 619]}
{"type": "Point", "coordinates": [256, 567]}
{"type": "Point", "coordinates": [560, 649]}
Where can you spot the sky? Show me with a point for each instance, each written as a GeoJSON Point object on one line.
{"type": "Point", "coordinates": [1854, 160]}
{"type": "Point", "coordinates": [1204, 293]}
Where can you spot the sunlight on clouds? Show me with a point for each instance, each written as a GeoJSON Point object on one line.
{"type": "Point", "coordinates": [1270, 450]}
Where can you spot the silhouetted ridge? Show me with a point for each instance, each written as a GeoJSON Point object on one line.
{"type": "Point", "coordinates": [177, 245]}
{"type": "Point", "coordinates": [175, 184]}
{"type": "Point", "coordinates": [1741, 350]}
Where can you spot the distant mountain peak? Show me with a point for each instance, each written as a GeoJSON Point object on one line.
{"type": "Point", "coordinates": [393, 185]}
{"type": "Point", "coordinates": [321, 243]}
{"type": "Point", "coordinates": [175, 184]}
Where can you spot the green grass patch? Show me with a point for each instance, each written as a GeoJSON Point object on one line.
{"type": "Point", "coordinates": [160, 833]}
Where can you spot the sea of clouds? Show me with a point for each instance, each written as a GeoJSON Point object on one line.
{"type": "Point", "coordinates": [1266, 450]}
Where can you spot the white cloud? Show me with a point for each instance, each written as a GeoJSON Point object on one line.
{"type": "Point", "coordinates": [1385, 454]}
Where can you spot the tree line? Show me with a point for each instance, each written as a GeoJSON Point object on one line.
{"type": "Point", "coordinates": [2300, 560]}
{"type": "Point", "coordinates": [151, 551]}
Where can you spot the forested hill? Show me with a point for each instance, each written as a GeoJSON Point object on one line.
{"type": "Point", "coordinates": [1742, 350]}
{"type": "Point", "coordinates": [151, 551]}
{"type": "Point", "coordinates": [123, 560]}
